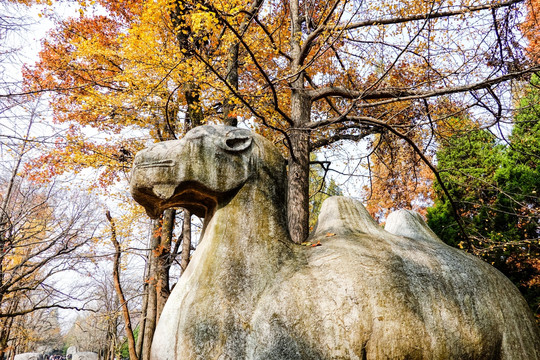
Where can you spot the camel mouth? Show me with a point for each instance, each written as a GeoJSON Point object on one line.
{"type": "Point", "coordinates": [194, 196]}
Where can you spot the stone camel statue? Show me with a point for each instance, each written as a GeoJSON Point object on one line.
{"type": "Point", "coordinates": [365, 293]}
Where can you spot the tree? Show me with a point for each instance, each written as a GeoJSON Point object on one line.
{"type": "Point", "coordinates": [100, 328]}
{"type": "Point", "coordinates": [120, 292]}
{"type": "Point", "coordinates": [120, 74]}
{"type": "Point", "coordinates": [398, 179]}
{"type": "Point", "coordinates": [36, 332]}
{"type": "Point", "coordinates": [519, 178]}
{"type": "Point", "coordinates": [44, 230]}
{"type": "Point", "coordinates": [495, 185]}
{"type": "Point", "coordinates": [315, 73]}
{"type": "Point", "coordinates": [468, 165]}
{"type": "Point", "coordinates": [90, 333]}
{"type": "Point", "coordinates": [329, 75]}
{"type": "Point", "coordinates": [42, 239]}
{"type": "Point", "coordinates": [313, 84]}
{"type": "Point", "coordinates": [531, 28]}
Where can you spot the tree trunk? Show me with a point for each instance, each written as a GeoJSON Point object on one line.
{"type": "Point", "coordinates": [298, 174]}
{"type": "Point", "coordinates": [110, 352]}
{"type": "Point", "coordinates": [5, 331]}
{"type": "Point", "coordinates": [158, 278]}
{"type": "Point", "coordinates": [162, 253]}
{"type": "Point", "coordinates": [186, 241]}
{"type": "Point", "coordinates": [298, 187]}
{"type": "Point", "coordinates": [142, 321]}
{"type": "Point", "coordinates": [194, 116]}
{"type": "Point", "coordinates": [151, 305]}
{"type": "Point", "coordinates": [229, 117]}
{"type": "Point", "coordinates": [120, 292]}
{"type": "Point", "coordinates": [150, 323]}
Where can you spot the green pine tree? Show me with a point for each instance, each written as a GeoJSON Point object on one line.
{"type": "Point", "coordinates": [468, 163]}
{"type": "Point", "coordinates": [496, 186]}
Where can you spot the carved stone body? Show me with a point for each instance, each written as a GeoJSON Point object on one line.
{"type": "Point", "coordinates": [28, 356]}
{"type": "Point", "coordinates": [71, 350]}
{"type": "Point", "coordinates": [84, 355]}
{"type": "Point", "coordinates": [365, 293]}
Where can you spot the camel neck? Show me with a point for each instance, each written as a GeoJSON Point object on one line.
{"type": "Point", "coordinates": [245, 243]}
{"type": "Point", "coordinates": [255, 215]}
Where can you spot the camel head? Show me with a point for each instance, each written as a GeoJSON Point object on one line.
{"type": "Point", "coordinates": [204, 169]}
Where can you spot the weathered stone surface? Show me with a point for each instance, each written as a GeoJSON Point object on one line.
{"type": "Point", "coordinates": [250, 293]}
{"type": "Point", "coordinates": [84, 355]}
{"type": "Point", "coordinates": [71, 350]}
{"type": "Point", "coordinates": [410, 224]}
{"type": "Point", "coordinates": [28, 356]}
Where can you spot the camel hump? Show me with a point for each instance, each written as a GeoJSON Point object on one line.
{"type": "Point", "coordinates": [410, 224]}
{"type": "Point", "coordinates": [342, 215]}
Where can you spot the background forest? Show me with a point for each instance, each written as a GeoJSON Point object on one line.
{"type": "Point", "coordinates": [430, 105]}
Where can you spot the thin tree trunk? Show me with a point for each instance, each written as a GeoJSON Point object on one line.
{"type": "Point", "coordinates": [151, 307]}
{"type": "Point", "coordinates": [162, 257]}
{"type": "Point", "coordinates": [142, 321]}
{"type": "Point", "coordinates": [109, 355]}
{"type": "Point", "coordinates": [194, 114]}
{"type": "Point", "coordinates": [186, 240]}
{"type": "Point", "coordinates": [4, 337]}
{"type": "Point", "coordinates": [150, 323]}
{"type": "Point", "coordinates": [120, 292]}
{"type": "Point", "coordinates": [229, 117]}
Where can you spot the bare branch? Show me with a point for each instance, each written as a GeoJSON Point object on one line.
{"type": "Point", "coordinates": [421, 154]}
{"type": "Point", "coordinates": [400, 94]}
{"type": "Point", "coordinates": [434, 15]}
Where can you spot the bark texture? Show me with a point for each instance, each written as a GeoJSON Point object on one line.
{"type": "Point", "coordinates": [186, 241]}
{"type": "Point", "coordinates": [298, 189]}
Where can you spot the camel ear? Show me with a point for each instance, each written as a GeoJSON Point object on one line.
{"type": "Point", "coordinates": [236, 141]}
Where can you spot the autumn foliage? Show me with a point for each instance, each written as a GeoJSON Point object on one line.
{"type": "Point", "coordinates": [531, 29]}
{"type": "Point", "coordinates": [114, 75]}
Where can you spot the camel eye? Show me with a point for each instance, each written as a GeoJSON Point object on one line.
{"type": "Point", "coordinates": [236, 141]}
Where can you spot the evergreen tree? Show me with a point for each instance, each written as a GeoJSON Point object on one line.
{"type": "Point", "coordinates": [495, 186]}
{"type": "Point", "coordinates": [518, 201]}
{"type": "Point", "coordinates": [519, 173]}
{"type": "Point", "coordinates": [467, 164]}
